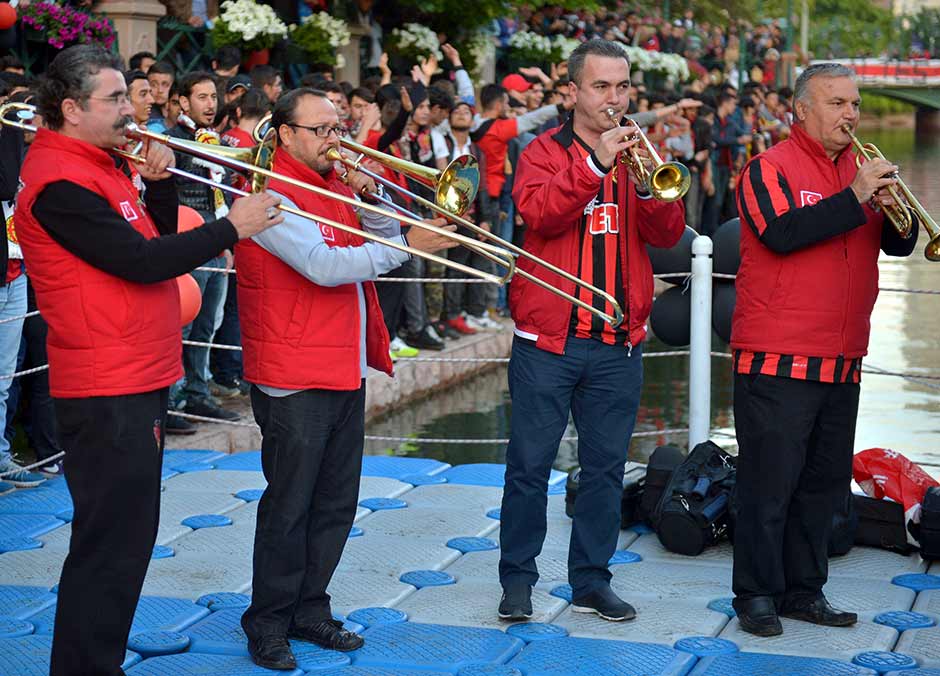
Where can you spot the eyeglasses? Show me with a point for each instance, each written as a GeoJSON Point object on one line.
{"type": "Point", "coordinates": [322, 130]}
{"type": "Point", "coordinates": [114, 100]}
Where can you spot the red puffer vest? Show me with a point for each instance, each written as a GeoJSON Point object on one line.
{"type": "Point", "coordinates": [816, 301]}
{"type": "Point", "coordinates": [107, 336]}
{"type": "Point", "coordinates": [298, 335]}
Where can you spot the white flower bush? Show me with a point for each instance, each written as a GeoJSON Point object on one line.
{"type": "Point", "coordinates": [414, 40]}
{"type": "Point", "coordinates": [562, 47]}
{"type": "Point", "coordinates": [336, 29]}
{"type": "Point", "coordinates": [673, 66]}
{"type": "Point", "coordinates": [253, 25]}
{"type": "Point", "coordinates": [531, 46]}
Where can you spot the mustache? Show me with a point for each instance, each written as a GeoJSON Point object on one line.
{"type": "Point", "coordinates": [123, 122]}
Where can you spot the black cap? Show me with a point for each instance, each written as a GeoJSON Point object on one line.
{"type": "Point", "coordinates": [237, 81]}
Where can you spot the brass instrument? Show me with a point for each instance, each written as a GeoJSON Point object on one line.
{"type": "Point", "coordinates": [256, 162]}
{"type": "Point", "coordinates": [667, 181]}
{"type": "Point", "coordinates": [454, 188]}
{"type": "Point", "coordinates": [614, 318]}
{"type": "Point", "coordinates": [899, 211]}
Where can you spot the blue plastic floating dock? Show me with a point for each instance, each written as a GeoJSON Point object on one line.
{"type": "Point", "coordinates": [444, 545]}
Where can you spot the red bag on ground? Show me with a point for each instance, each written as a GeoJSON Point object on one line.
{"type": "Point", "coordinates": [883, 473]}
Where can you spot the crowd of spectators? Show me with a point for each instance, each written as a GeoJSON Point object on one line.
{"type": "Point", "coordinates": [430, 116]}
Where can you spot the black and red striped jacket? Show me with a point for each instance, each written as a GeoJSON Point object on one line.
{"type": "Point", "coordinates": [555, 184]}
{"type": "Point", "coordinates": [809, 264]}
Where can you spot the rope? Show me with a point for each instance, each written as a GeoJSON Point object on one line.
{"type": "Point", "coordinates": [441, 440]}
{"type": "Point", "coordinates": [27, 468]}
{"type": "Point", "coordinates": [11, 376]}
{"type": "Point", "coordinates": [19, 317]}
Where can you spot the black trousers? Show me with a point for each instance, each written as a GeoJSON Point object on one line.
{"type": "Point", "coordinates": [311, 454]}
{"type": "Point", "coordinates": [469, 297]}
{"type": "Point", "coordinates": [115, 452]}
{"type": "Point", "coordinates": [795, 444]}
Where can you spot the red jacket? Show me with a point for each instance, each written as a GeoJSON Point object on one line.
{"type": "Point", "coordinates": [298, 335]}
{"type": "Point", "coordinates": [815, 300]}
{"type": "Point", "coordinates": [554, 183]}
{"type": "Point", "coordinates": [107, 336]}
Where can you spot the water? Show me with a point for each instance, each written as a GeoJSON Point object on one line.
{"type": "Point", "coordinates": [893, 412]}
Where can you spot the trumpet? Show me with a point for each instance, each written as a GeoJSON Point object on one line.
{"type": "Point", "coordinates": [667, 181]}
{"type": "Point", "coordinates": [614, 318]}
{"type": "Point", "coordinates": [898, 212]}
{"type": "Point", "coordinates": [256, 164]}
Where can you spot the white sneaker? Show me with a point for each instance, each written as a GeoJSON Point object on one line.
{"type": "Point", "coordinates": [399, 348]}
{"type": "Point", "coordinates": [483, 323]}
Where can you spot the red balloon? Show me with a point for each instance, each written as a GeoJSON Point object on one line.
{"type": "Point", "coordinates": [7, 16]}
{"type": "Point", "coordinates": [190, 298]}
{"type": "Point", "coordinates": [188, 219]}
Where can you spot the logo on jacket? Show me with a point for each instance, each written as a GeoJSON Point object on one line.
{"type": "Point", "coordinates": [602, 218]}
{"type": "Point", "coordinates": [809, 198]}
{"type": "Point", "coordinates": [328, 234]}
{"type": "Point", "coordinates": [157, 431]}
{"type": "Point", "coordinates": [128, 212]}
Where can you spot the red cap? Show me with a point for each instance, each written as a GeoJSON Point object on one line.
{"type": "Point", "coordinates": [516, 83]}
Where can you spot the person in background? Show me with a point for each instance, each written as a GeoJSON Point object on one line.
{"type": "Point", "coordinates": [138, 89]}
{"type": "Point", "coordinates": [141, 61]}
{"type": "Point", "coordinates": [161, 76]}
{"type": "Point", "coordinates": [199, 101]}
{"type": "Point", "coordinates": [226, 61]}
{"type": "Point", "coordinates": [267, 79]}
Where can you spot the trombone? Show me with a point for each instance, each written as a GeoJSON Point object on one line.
{"type": "Point", "coordinates": [899, 211]}
{"type": "Point", "coordinates": [615, 318]}
{"type": "Point", "coordinates": [668, 181]}
{"type": "Point", "coordinates": [256, 162]}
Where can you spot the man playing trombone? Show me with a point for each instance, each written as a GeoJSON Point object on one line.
{"type": "Point", "coordinates": [311, 324]}
{"type": "Point", "coordinates": [103, 262]}
{"type": "Point", "coordinates": [584, 215]}
{"type": "Point", "coordinates": [812, 225]}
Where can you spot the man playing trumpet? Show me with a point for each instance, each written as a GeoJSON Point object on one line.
{"type": "Point", "coordinates": [811, 231]}
{"type": "Point", "coordinates": [585, 213]}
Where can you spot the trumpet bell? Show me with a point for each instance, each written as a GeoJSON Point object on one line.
{"type": "Point", "coordinates": [458, 184]}
{"type": "Point", "coordinates": [670, 181]}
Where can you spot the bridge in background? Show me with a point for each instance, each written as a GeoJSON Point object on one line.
{"type": "Point", "coordinates": [916, 81]}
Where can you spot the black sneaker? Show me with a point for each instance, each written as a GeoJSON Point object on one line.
{"type": "Point", "coordinates": [606, 603]}
{"type": "Point", "coordinates": [272, 652]}
{"type": "Point", "coordinates": [516, 604]}
{"type": "Point", "coordinates": [328, 634]}
{"type": "Point", "coordinates": [177, 425]}
{"type": "Point", "coordinates": [425, 339]}
{"type": "Point", "coordinates": [221, 386]}
{"type": "Point", "coordinates": [447, 331]}
{"type": "Point", "coordinates": [208, 409]}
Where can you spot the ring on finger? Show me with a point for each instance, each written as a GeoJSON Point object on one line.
{"type": "Point", "coordinates": [271, 212]}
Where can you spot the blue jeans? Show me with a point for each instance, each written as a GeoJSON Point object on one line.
{"type": "Point", "coordinates": [12, 304]}
{"type": "Point", "coordinates": [202, 329]}
{"type": "Point", "coordinates": [600, 386]}
{"type": "Point", "coordinates": [227, 364]}
{"type": "Point", "coordinates": [506, 227]}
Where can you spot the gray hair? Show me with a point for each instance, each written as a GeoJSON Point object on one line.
{"type": "Point", "coordinates": [71, 75]}
{"type": "Point", "coordinates": [597, 47]}
{"type": "Point", "coordinates": [801, 89]}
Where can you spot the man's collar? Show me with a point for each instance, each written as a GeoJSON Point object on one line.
{"type": "Point", "coordinates": [565, 135]}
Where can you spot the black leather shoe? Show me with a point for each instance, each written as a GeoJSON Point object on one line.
{"type": "Point", "coordinates": [817, 611]}
{"type": "Point", "coordinates": [208, 409]}
{"type": "Point", "coordinates": [328, 634]}
{"type": "Point", "coordinates": [272, 652]}
{"type": "Point", "coordinates": [425, 339]}
{"type": "Point", "coordinates": [177, 425]}
{"type": "Point", "coordinates": [605, 603]}
{"type": "Point", "coordinates": [758, 616]}
{"type": "Point", "coordinates": [516, 604]}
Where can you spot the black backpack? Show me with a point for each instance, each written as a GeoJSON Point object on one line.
{"type": "Point", "coordinates": [695, 509]}
{"type": "Point", "coordinates": [930, 525]}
